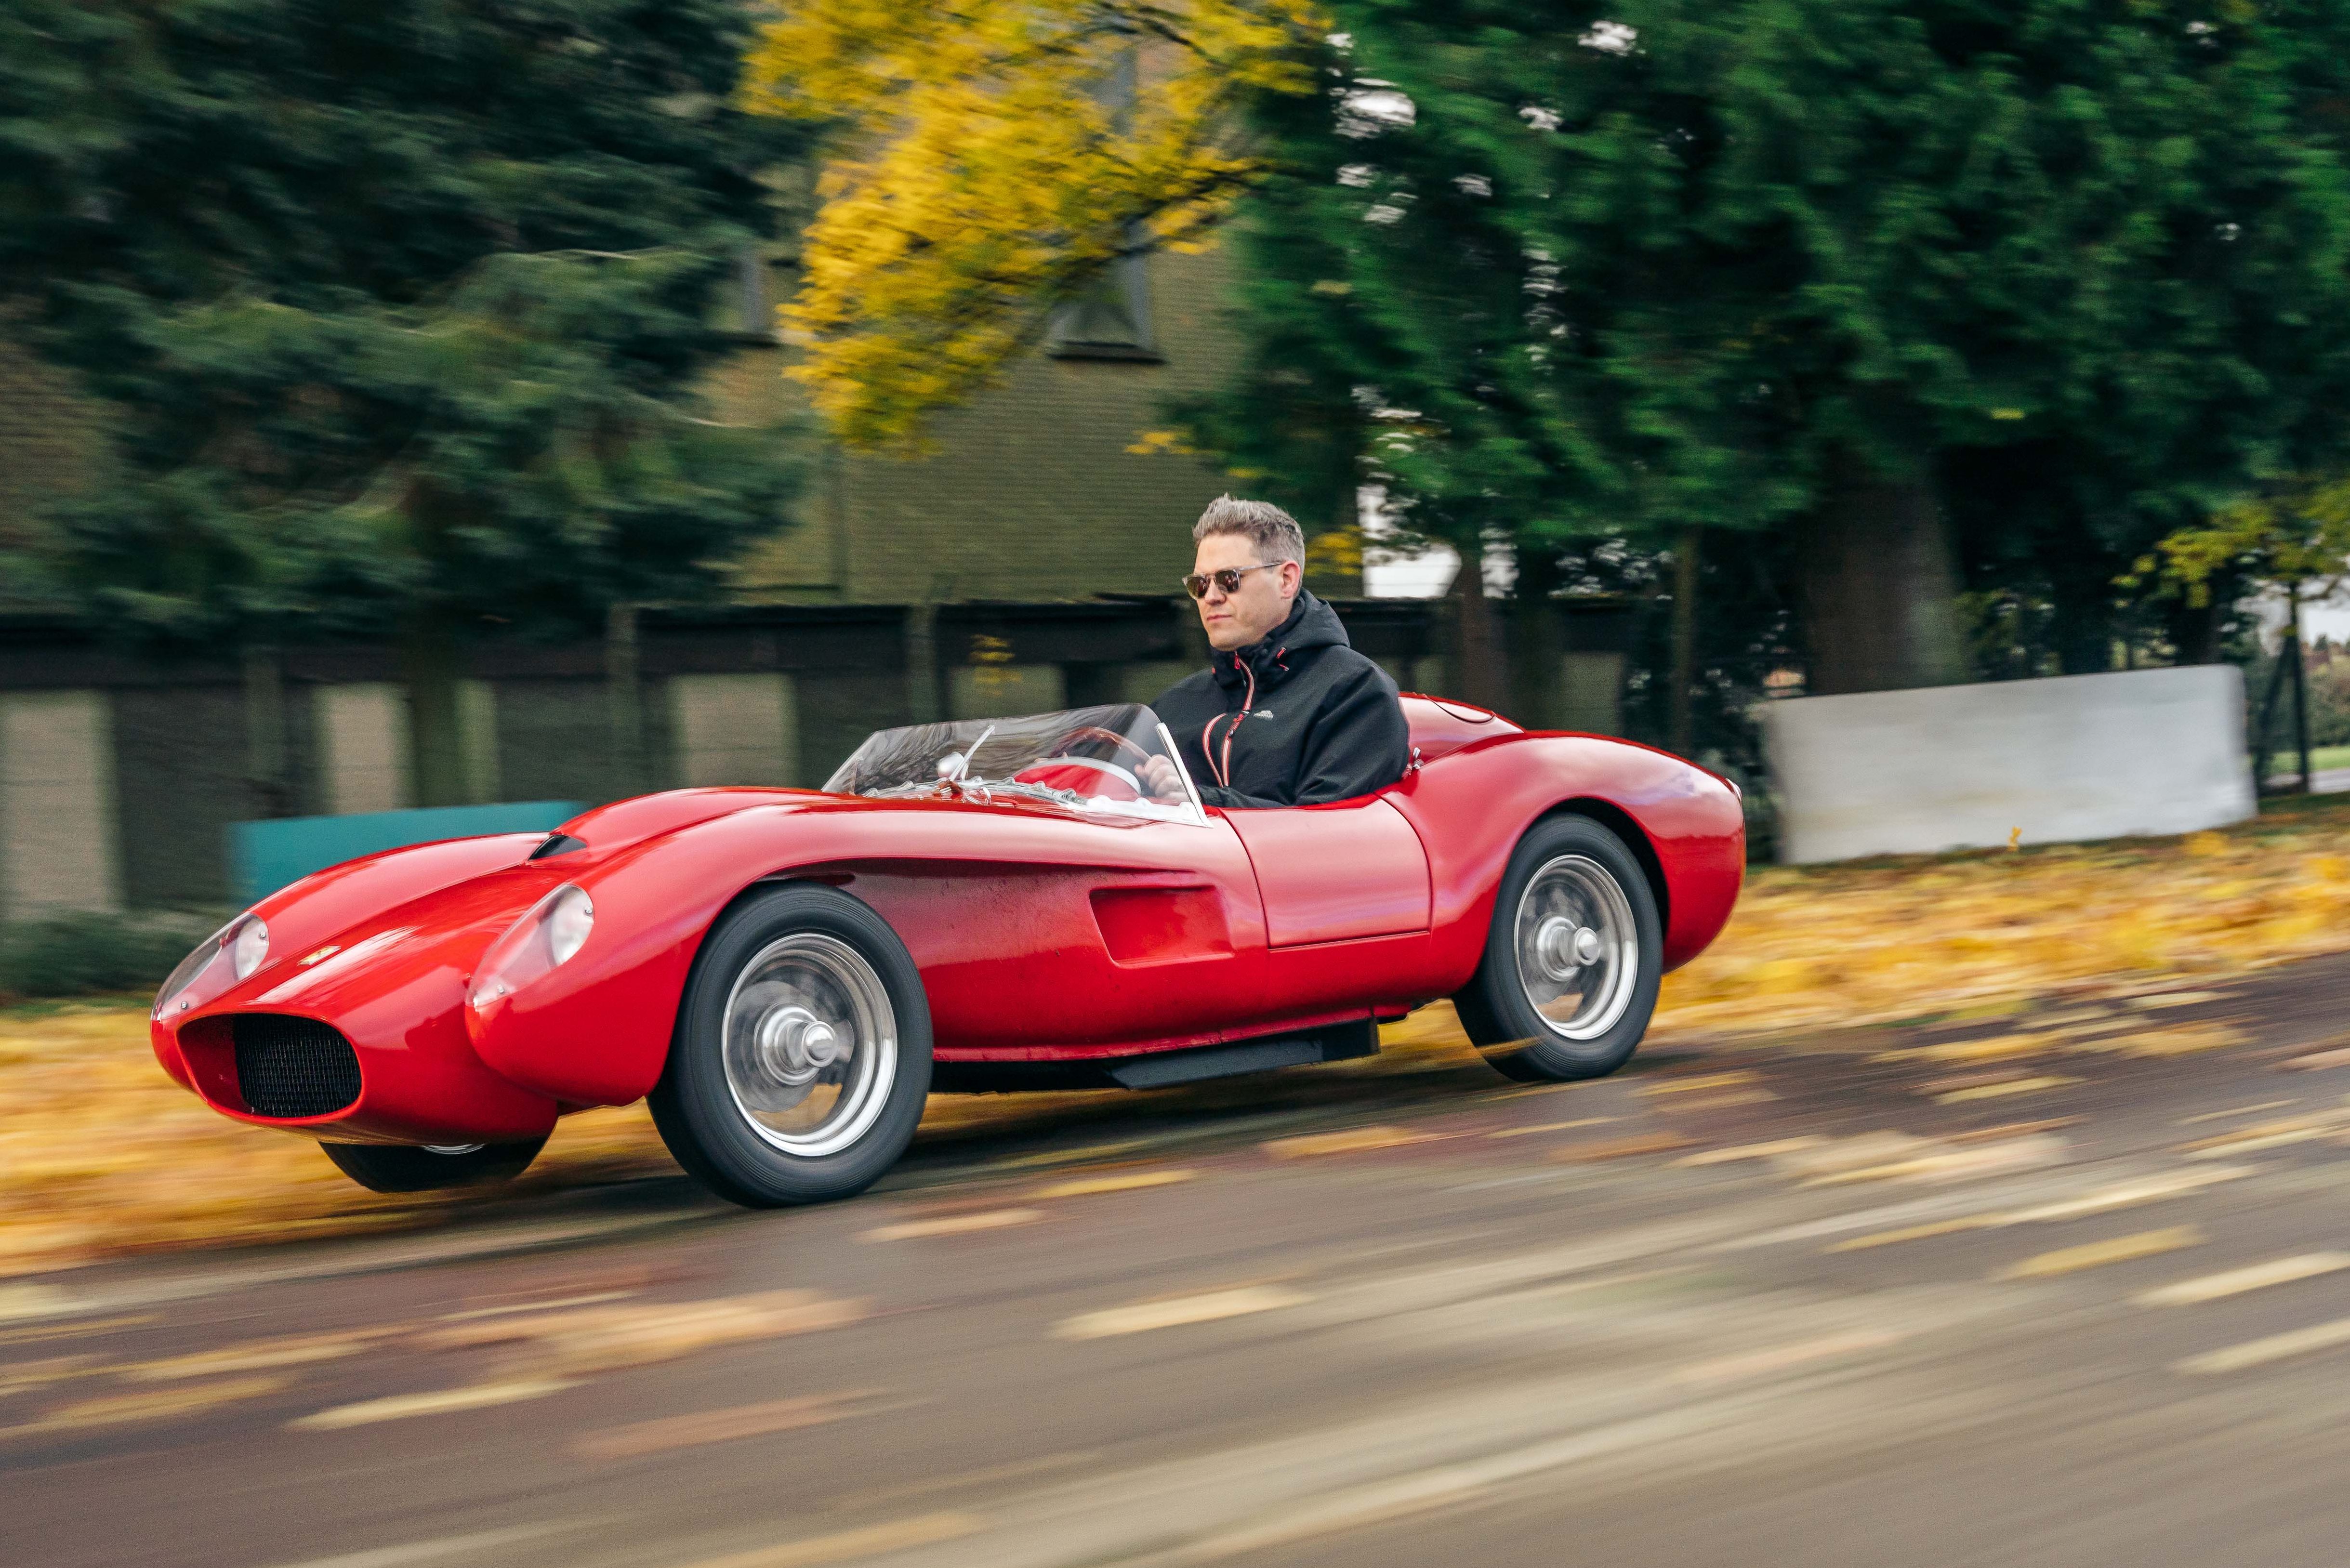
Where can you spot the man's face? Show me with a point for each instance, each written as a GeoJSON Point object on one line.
{"type": "Point", "coordinates": [1262, 602]}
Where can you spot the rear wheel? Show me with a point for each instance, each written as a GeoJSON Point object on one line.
{"type": "Point", "coordinates": [1572, 958]}
{"type": "Point", "coordinates": [404, 1167]}
{"type": "Point", "coordinates": [803, 1052]}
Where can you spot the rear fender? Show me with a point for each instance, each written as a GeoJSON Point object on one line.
{"type": "Point", "coordinates": [1687, 820]}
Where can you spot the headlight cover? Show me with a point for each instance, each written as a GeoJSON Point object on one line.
{"type": "Point", "coordinates": [249, 946]}
{"type": "Point", "coordinates": [554, 930]}
{"type": "Point", "coordinates": [228, 955]}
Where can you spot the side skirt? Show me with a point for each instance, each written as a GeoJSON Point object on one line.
{"type": "Point", "coordinates": [1162, 1069]}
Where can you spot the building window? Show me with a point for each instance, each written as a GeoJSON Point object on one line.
{"type": "Point", "coordinates": [1111, 320]}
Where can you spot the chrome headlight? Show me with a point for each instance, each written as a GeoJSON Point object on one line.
{"type": "Point", "coordinates": [245, 942]}
{"type": "Point", "coordinates": [248, 946]}
{"type": "Point", "coordinates": [570, 915]}
{"type": "Point", "coordinates": [555, 929]}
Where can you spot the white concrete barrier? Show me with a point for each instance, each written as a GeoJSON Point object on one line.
{"type": "Point", "coordinates": [1959, 767]}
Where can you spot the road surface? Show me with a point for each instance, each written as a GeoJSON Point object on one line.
{"type": "Point", "coordinates": [2071, 1287]}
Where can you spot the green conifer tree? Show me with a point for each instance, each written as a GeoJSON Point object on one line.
{"type": "Point", "coordinates": [397, 308]}
{"type": "Point", "coordinates": [2063, 271]}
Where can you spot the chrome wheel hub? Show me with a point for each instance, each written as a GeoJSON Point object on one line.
{"type": "Point", "coordinates": [795, 1044]}
{"type": "Point", "coordinates": [1562, 947]}
{"type": "Point", "coordinates": [1578, 946]}
{"type": "Point", "coordinates": [811, 1045]}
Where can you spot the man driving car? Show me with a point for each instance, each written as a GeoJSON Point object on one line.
{"type": "Point", "coordinates": [1286, 713]}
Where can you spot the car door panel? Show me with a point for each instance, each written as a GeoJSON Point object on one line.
{"type": "Point", "coordinates": [1331, 873]}
{"type": "Point", "coordinates": [1096, 935]}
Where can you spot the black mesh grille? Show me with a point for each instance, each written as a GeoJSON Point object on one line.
{"type": "Point", "coordinates": [293, 1066]}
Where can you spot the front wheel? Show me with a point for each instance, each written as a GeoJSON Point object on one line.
{"type": "Point", "coordinates": [1572, 960]}
{"type": "Point", "coordinates": [404, 1167]}
{"type": "Point", "coordinates": [802, 1056]}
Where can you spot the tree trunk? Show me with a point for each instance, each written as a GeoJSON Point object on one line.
{"type": "Point", "coordinates": [1479, 674]}
{"type": "Point", "coordinates": [2082, 592]}
{"type": "Point", "coordinates": [428, 666]}
{"type": "Point", "coordinates": [2193, 630]}
{"type": "Point", "coordinates": [1537, 641]}
{"type": "Point", "coordinates": [1880, 588]}
{"type": "Point", "coordinates": [1682, 721]}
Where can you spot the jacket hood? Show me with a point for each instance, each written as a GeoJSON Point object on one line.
{"type": "Point", "coordinates": [1310, 624]}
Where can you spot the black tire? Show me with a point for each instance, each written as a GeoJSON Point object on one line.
{"type": "Point", "coordinates": [805, 959]}
{"type": "Point", "coordinates": [1578, 861]}
{"type": "Point", "coordinates": [403, 1167]}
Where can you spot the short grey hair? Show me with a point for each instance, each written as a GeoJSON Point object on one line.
{"type": "Point", "coordinates": [1274, 532]}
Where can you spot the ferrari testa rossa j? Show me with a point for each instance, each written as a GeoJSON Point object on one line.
{"type": "Point", "coordinates": [982, 905]}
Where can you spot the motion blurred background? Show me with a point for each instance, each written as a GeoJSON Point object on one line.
{"type": "Point", "coordinates": [435, 405]}
{"type": "Point", "coordinates": [431, 416]}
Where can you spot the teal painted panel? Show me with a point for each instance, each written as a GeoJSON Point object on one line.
{"type": "Point", "coordinates": [264, 857]}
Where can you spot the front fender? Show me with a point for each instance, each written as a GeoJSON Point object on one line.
{"type": "Point", "coordinates": [323, 905]}
{"type": "Point", "coordinates": [597, 1030]}
{"type": "Point", "coordinates": [394, 987]}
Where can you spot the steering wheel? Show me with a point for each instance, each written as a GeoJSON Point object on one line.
{"type": "Point", "coordinates": [1038, 773]}
{"type": "Point", "coordinates": [1095, 732]}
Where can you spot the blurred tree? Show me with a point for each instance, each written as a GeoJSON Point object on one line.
{"type": "Point", "coordinates": [1837, 271]}
{"type": "Point", "coordinates": [997, 159]}
{"type": "Point", "coordinates": [2293, 538]}
{"type": "Point", "coordinates": [2293, 534]}
{"type": "Point", "coordinates": [398, 307]}
{"type": "Point", "coordinates": [2329, 695]}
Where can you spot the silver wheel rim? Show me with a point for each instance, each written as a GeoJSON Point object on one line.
{"type": "Point", "coordinates": [811, 1044]}
{"type": "Point", "coordinates": [1578, 947]}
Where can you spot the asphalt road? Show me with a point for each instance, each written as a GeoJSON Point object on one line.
{"type": "Point", "coordinates": [2070, 1287]}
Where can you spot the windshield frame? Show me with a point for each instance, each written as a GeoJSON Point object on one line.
{"type": "Point", "coordinates": [961, 741]}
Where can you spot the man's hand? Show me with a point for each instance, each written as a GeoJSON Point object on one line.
{"type": "Point", "coordinates": [1159, 775]}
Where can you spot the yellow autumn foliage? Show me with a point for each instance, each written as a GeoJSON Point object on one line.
{"type": "Point", "coordinates": [2299, 535]}
{"type": "Point", "coordinates": [101, 1156]}
{"type": "Point", "coordinates": [992, 160]}
{"type": "Point", "coordinates": [1982, 934]}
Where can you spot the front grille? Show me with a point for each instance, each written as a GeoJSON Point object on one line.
{"type": "Point", "coordinates": [293, 1066]}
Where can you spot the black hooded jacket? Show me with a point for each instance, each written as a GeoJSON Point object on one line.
{"type": "Point", "coordinates": [1297, 719]}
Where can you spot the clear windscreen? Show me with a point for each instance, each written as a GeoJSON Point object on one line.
{"type": "Point", "coordinates": [1091, 759]}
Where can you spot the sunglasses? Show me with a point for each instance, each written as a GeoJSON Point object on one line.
{"type": "Point", "coordinates": [1228, 579]}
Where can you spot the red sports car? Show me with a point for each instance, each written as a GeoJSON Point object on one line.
{"type": "Point", "coordinates": [971, 905]}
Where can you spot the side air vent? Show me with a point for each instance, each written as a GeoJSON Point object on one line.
{"type": "Point", "coordinates": [293, 1066]}
{"type": "Point", "coordinates": [557, 844]}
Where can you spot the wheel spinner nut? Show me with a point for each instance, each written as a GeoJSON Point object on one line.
{"type": "Point", "coordinates": [795, 1044]}
{"type": "Point", "coordinates": [1562, 947]}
